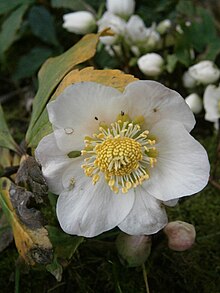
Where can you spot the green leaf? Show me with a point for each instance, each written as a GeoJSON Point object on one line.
{"type": "Point", "coordinates": [30, 63]}
{"type": "Point", "coordinates": [51, 74]}
{"type": "Point", "coordinates": [42, 25]}
{"type": "Point", "coordinates": [63, 244]}
{"type": "Point", "coordinates": [186, 7]}
{"type": "Point", "coordinates": [10, 28]}
{"type": "Point", "coordinates": [55, 269]}
{"type": "Point", "coordinates": [6, 140]}
{"type": "Point", "coordinates": [73, 5]}
{"type": "Point", "coordinates": [7, 6]}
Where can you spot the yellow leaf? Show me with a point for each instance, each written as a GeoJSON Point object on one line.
{"type": "Point", "coordinates": [109, 77]}
{"type": "Point", "coordinates": [32, 243]}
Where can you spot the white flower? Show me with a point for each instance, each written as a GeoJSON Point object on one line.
{"type": "Point", "coordinates": [188, 80]}
{"type": "Point", "coordinates": [137, 34]}
{"type": "Point", "coordinates": [80, 22]}
{"type": "Point", "coordinates": [212, 104]}
{"type": "Point", "coordinates": [123, 8]}
{"type": "Point", "coordinates": [136, 155]}
{"type": "Point", "coordinates": [205, 72]}
{"type": "Point", "coordinates": [151, 64]}
{"type": "Point", "coordinates": [116, 24]}
{"type": "Point", "coordinates": [194, 102]}
{"type": "Point", "coordinates": [164, 26]}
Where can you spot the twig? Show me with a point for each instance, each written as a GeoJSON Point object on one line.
{"type": "Point", "coordinates": [9, 96]}
{"type": "Point", "coordinates": [145, 278]}
{"type": "Point", "coordinates": [214, 183]}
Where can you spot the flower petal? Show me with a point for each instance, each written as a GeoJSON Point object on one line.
{"type": "Point", "coordinates": [87, 209]}
{"type": "Point", "coordinates": [146, 217]}
{"type": "Point", "coordinates": [78, 111]}
{"type": "Point", "coordinates": [182, 166]}
{"type": "Point", "coordinates": [53, 162]}
{"type": "Point", "coordinates": [156, 102]}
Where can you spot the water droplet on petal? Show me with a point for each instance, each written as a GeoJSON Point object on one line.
{"type": "Point", "coordinates": [68, 130]}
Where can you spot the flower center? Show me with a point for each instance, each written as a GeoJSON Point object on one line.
{"type": "Point", "coordinates": [118, 156]}
{"type": "Point", "coordinates": [122, 152]}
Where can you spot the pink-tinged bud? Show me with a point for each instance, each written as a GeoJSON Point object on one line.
{"type": "Point", "coordinates": [133, 250]}
{"type": "Point", "coordinates": [181, 235]}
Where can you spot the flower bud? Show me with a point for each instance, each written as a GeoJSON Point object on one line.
{"type": "Point", "coordinates": [211, 100]}
{"type": "Point", "coordinates": [181, 235]}
{"type": "Point", "coordinates": [123, 8]}
{"type": "Point", "coordinates": [194, 102]}
{"type": "Point", "coordinates": [133, 250]}
{"type": "Point", "coordinates": [164, 26]}
{"type": "Point", "coordinates": [188, 80]}
{"type": "Point", "coordinates": [205, 72]}
{"type": "Point", "coordinates": [80, 22]}
{"type": "Point", "coordinates": [151, 64]}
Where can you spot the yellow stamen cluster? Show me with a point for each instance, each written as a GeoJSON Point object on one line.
{"type": "Point", "coordinates": [122, 152]}
{"type": "Point", "coordinates": [118, 156]}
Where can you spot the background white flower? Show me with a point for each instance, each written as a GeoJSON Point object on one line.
{"type": "Point", "coordinates": [205, 72]}
{"type": "Point", "coordinates": [137, 154]}
{"type": "Point", "coordinates": [117, 25]}
{"type": "Point", "coordinates": [137, 34]}
{"type": "Point", "coordinates": [212, 104]}
{"type": "Point", "coordinates": [188, 80]}
{"type": "Point", "coordinates": [80, 22]}
{"type": "Point", "coordinates": [151, 64]}
{"type": "Point", "coordinates": [164, 26]}
{"type": "Point", "coordinates": [194, 102]}
{"type": "Point", "coordinates": [123, 8]}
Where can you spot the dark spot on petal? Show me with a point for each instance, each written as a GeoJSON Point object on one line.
{"type": "Point", "coordinates": [155, 110]}
{"type": "Point", "coordinates": [122, 113]}
{"type": "Point", "coordinates": [96, 118]}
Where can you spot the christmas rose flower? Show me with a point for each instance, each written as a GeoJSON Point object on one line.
{"type": "Point", "coordinates": [136, 155]}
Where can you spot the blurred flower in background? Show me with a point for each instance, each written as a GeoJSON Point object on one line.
{"type": "Point", "coordinates": [194, 102]}
{"type": "Point", "coordinates": [151, 64]}
{"type": "Point", "coordinates": [80, 22]}
{"type": "Point", "coordinates": [122, 8]}
{"type": "Point", "coordinates": [212, 104]}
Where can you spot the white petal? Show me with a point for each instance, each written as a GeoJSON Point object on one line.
{"type": "Point", "coordinates": [87, 209]}
{"type": "Point", "coordinates": [147, 215]}
{"type": "Point", "coordinates": [182, 166]}
{"type": "Point", "coordinates": [171, 203]}
{"type": "Point", "coordinates": [78, 108]}
{"type": "Point", "coordinates": [53, 162]}
{"type": "Point", "coordinates": [156, 102]}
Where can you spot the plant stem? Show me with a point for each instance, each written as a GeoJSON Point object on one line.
{"type": "Point", "coordinates": [17, 279]}
{"type": "Point", "coordinates": [145, 278]}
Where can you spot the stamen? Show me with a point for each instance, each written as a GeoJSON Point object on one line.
{"type": "Point", "coordinates": [122, 152]}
